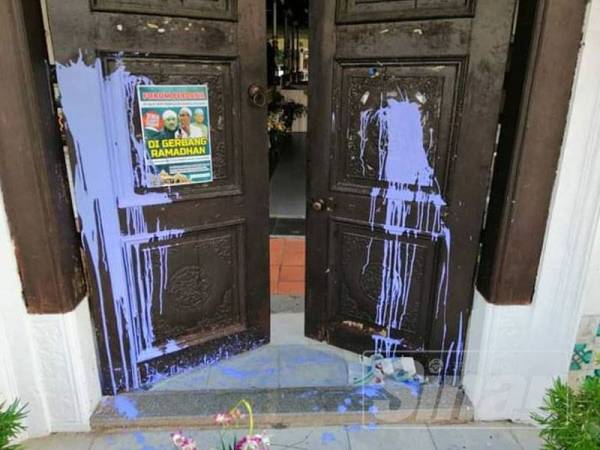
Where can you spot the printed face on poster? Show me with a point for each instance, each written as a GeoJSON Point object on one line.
{"type": "Point", "coordinates": [176, 132]}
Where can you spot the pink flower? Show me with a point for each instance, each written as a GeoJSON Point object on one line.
{"type": "Point", "coordinates": [256, 442]}
{"type": "Point", "coordinates": [224, 419]}
{"type": "Point", "coordinates": [229, 417]}
{"type": "Point", "coordinates": [182, 442]}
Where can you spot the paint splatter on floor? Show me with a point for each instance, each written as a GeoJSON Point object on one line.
{"type": "Point", "coordinates": [327, 438]}
{"type": "Point", "coordinates": [126, 407]}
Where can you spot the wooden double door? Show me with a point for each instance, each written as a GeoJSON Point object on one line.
{"type": "Point", "coordinates": [404, 98]}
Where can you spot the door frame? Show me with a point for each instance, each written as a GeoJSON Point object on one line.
{"type": "Point", "coordinates": [40, 210]}
{"type": "Point", "coordinates": [529, 148]}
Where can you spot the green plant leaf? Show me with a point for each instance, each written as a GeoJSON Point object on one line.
{"type": "Point", "coordinates": [571, 419]}
{"type": "Point", "coordinates": [11, 424]}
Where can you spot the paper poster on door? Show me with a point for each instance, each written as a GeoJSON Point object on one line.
{"type": "Point", "coordinates": [176, 131]}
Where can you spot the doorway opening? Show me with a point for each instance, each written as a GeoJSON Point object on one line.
{"type": "Point", "coordinates": [287, 69]}
{"type": "Point", "coordinates": [290, 360]}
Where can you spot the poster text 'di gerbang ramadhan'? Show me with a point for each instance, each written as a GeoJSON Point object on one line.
{"type": "Point", "coordinates": [176, 132]}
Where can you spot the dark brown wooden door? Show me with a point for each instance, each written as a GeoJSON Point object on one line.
{"type": "Point", "coordinates": [179, 273]}
{"type": "Point", "coordinates": [404, 101]}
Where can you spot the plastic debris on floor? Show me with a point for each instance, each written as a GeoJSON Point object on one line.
{"type": "Point", "coordinates": [380, 370]}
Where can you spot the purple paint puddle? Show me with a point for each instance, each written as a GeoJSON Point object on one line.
{"type": "Point", "coordinates": [327, 438]}
{"type": "Point", "coordinates": [125, 407]}
{"type": "Point", "coordinates": [411, 204]}
{"type": "Point", "coordinates": [371, 391]}
{"type": "Point", "coordinates": [354, 428]}
{"type": "Point", "coordinates": [139, 437]}
{"type": "Point", "coordinates": [110, 162]}
{"type": "Point", "coordinates": [414, 386]}
{"type": "Point", "coordinates": [236, 373]}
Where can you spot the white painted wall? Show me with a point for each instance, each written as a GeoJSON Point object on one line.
{"type": "Point", "coordinates": [47, 361]}
{"type": "Point", "coordinates": [515, 352]}
{"type": "Point", "coordinates": [591, 293]}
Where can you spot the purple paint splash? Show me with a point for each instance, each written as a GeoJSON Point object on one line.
{"type": "Point", "coordinates": [327, 438]}
{"type": "Point", "coordinates": [109, 163]}
{"type": "Point", "coordinates": [126, 407]}
{"type": "Point", "coordinates": [413, 208]}
{"type": "Point", "coordinates": [375, 391]}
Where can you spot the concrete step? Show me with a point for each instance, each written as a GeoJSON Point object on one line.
{"type": "Point", "coordinates": [287, 407]}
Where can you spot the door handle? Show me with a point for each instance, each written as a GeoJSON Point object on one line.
{"type": "Point", "coordinates": [318, 205]}
{"type": "Point", "coordinates": [257, 95]}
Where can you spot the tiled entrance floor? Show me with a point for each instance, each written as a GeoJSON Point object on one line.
{"type": "Point", "coordinates": [288, 261]}
{"type": "Point", "coordinates": [290, 360]}
{"type": "Point", "coordinates": [274, 365]}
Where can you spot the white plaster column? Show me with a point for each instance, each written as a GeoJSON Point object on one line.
{"type": "Point", "coordinates": [47, 361]}
{"type": "Point", "coordinates": [514, 352]}
{"type": "Point", "coordinates": [66, 354]}
{"type": "Point", "coordinates": [592, 286]}
{"type": "Point", "coordinates": [19, 369]}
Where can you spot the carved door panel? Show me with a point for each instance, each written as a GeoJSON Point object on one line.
{"type": "Point", "coordinates": [178, 273]}
{"type": "Point", "coordinates": [404, 100]}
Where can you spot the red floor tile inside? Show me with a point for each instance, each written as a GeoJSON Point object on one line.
{"type": "Point", "coordinates": [288, 260]}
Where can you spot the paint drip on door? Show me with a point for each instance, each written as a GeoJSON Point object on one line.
{"type": "Point", "coordinates": [408, 204]}
{"type": "Point", "coordinates": [99, 115]}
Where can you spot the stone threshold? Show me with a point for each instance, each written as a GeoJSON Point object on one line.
{"type": "Point", "coordinates": [286, 407]}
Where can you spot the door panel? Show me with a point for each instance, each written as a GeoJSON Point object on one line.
{"type": "Point", "coordinates": [376, 10]}
{"type": "Point", "coordinates": [199, 9]}
{"type": "Point", "coordinates": [403, 114]}
{"type": "Point", "coordinates": [356, 288]}
{"type": "Point", "coordinates": [204, 290]}
{"type": "Point", "coordinates": [356, 163]}
{"type": "Point", "coordinates": [179, 273]}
